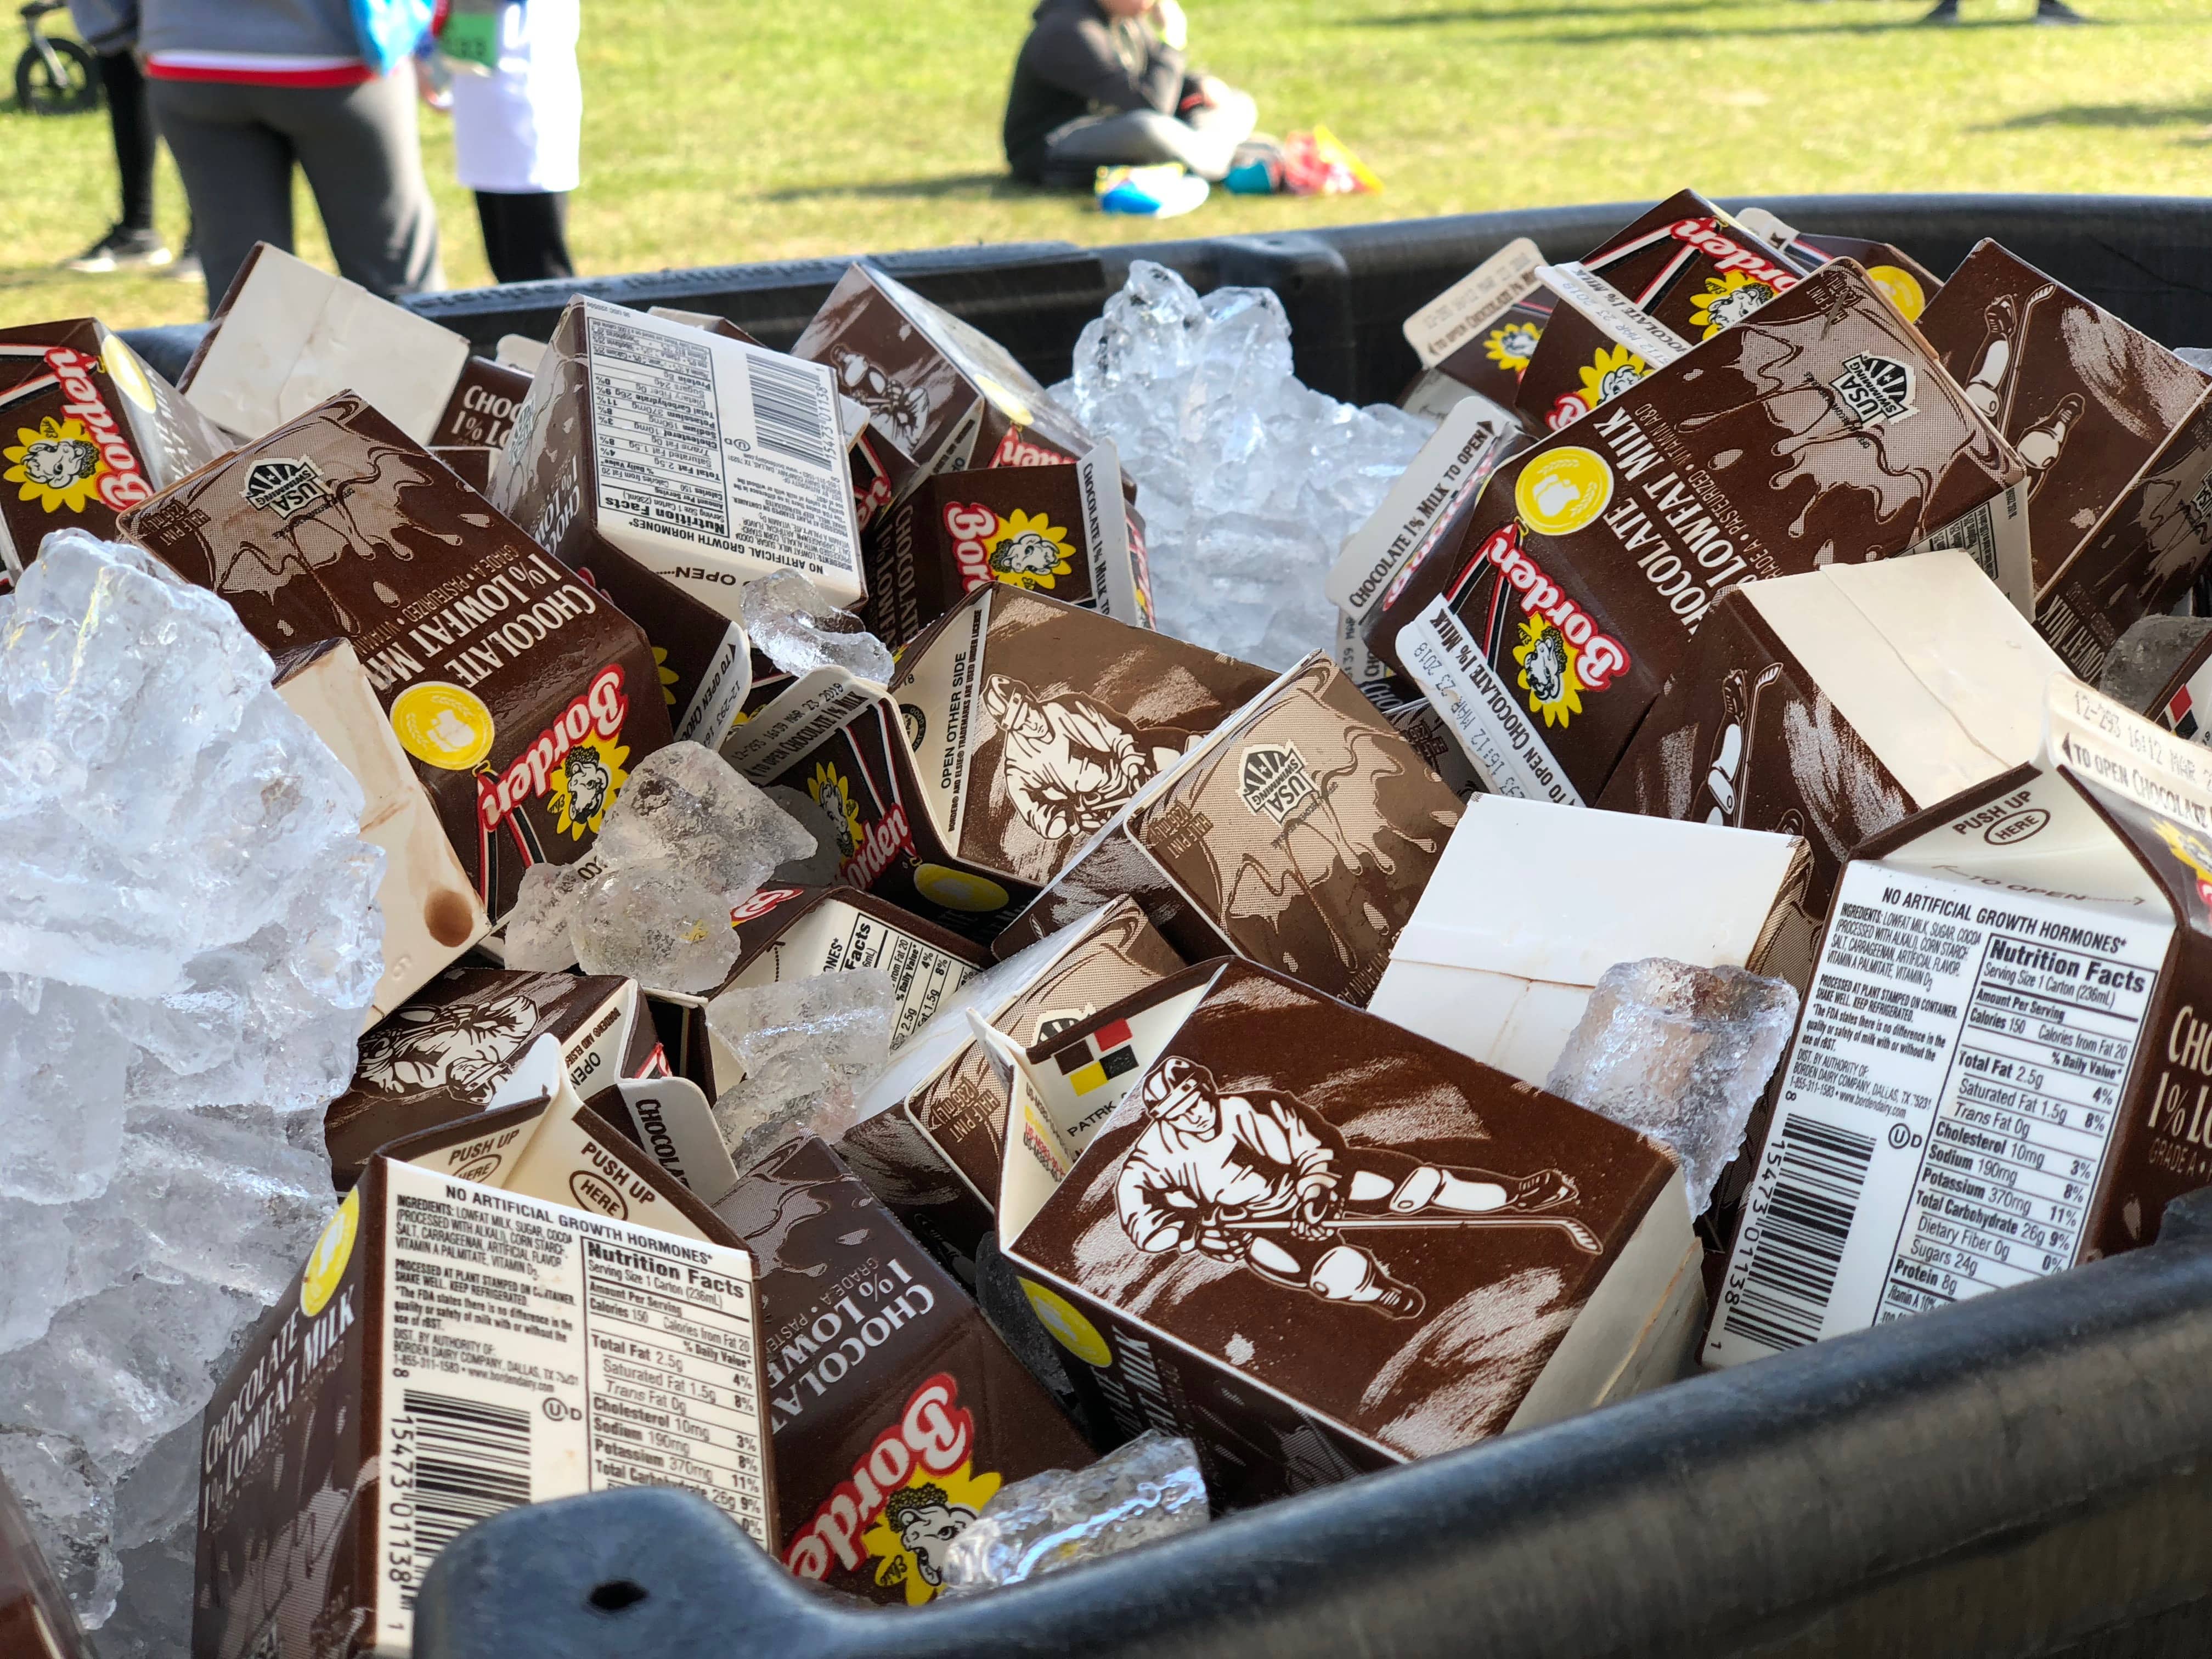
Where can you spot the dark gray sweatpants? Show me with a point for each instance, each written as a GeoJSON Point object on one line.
{"type": "Point", "coordinates": [236, 145]}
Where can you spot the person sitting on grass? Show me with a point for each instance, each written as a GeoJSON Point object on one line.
{"type": "Point", "coordinates": [1103, 84]}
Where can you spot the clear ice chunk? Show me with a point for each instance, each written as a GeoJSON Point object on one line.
{"type": "Point", "coordinates": [1149, 1490]}
{"type": "Point", "coordinates": [188, 940]}
{"type": "Point", "coordinates": [687, 806]}
{"type": "Point", "coordinates": [791, 623]}
{"type": "Point", "coordinates": [2145, 657]}
{"type": "Point", "coordinates": [656, 924]}
{"type": "Point", "coordinates": [1249, 481]}
{"type": "Point", "coordinates": [808, 1047]}
{"type": "Point", "coordinates": [1680, 1053]}
{"type": "Point", "coordinates": [539, 939]}
{"type": "Point", "coordinates": [819, 868]}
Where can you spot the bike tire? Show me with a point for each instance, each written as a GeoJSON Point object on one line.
{"type": "Point", "coordinates": [36, 92]}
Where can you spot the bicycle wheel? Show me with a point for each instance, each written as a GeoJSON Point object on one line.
{"type": "Point", "coordinates": [40, 91]}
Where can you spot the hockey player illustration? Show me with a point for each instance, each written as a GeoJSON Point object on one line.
{"type": "Point", "coordinates": [1072, 762]}
{"type": "Point", "coordinates": [904, 410]}
{"type": "Point", "coordinates": [1257, 1180]}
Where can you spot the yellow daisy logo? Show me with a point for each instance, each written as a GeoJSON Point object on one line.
{"type": "Point", "coordinates": [58, 465]}
{"type": "Point", "coordinates": [1547, 671]}
{"type": "Point", "coordinates": [834, 797]}
{"type": "Point", "coordinates": [586, 784]}
{"type": "Point", "coordinates": [667, 675]}
{"type": "Point", "coordinates": [920, 1521]}
{"type": "Point", "coordinates": [1028, 550]}
{"type": "Point", "coordinates": [1510, 345]}
{"type": "Point", "coordinates": [1727, 300]}
{"type": "Point", "coordinates": [1611, 373]}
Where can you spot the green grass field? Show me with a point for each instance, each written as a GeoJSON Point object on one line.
{"type": "Point", "coordinates": [720, 133]}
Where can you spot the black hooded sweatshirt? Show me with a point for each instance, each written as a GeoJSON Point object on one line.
{"type": "Point", "coordinates": [1078, 61]}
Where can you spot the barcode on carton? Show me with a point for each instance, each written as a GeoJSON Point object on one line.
{"type": "Point", "coordinates": [792, 411]}
{"type": "Point", "coordinates": [1791, 1275]}
{"type": "Point", "coordinates": [472, 1460]}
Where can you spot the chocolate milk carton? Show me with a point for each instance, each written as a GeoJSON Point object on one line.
{"type": "Point", "coordinates": [1016, 727]}
{"type": "Point", "coordinates": [1819, 431]}
{"type": "Point", "coordinates": [1479, 334]}
{"type": "Point", "coordinates": [707, 461]}
{"type": "Point", "coordinates": [1317, 1244]}
{"type": "Point", "coordinates": [1061, 529]}
{"type": "Point", "coordinates": [455, 1349]}
{"type": "Point", "coordinates": [520, 695]}
{"type": "Point", "coordinates": [931, 1138]}
{"type": "Point", "coordinates": [87, 431]}
{"type": "Point", "coordinates": [1834, 704]}
{"type": "Point", "coordinates": [36, 1621]}
{"type": "Point", "coordinates": [2001, 1070]}
{"type": "Point", "coordinates": [798, 932]}
{"type": "Point", "coordinates": [947, 396]}
{"type": "Point", "coordinates": [1300, 835]}
{"type": "Point", "coordinates": [898, 1411]}
{"type": "Point", "coordinates": [2117, 434]}
{"type": "Point", "coordinates": [445, 1054]}
{"type": "Point", "coordinates": [1910, 284]}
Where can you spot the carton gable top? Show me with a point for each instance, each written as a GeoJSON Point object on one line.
{"type": "Point", "coordinates": [1291, 1068]}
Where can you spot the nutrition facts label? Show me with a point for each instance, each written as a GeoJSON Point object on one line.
{"type": "Point", "coordinates": [834, 936]}
{"type": "Point", "coordinates": [535, 1352]}
{"type": "Point", "coordinates": [706, 447]}
{"type": "Point", "coordinates": [1947, 1111]}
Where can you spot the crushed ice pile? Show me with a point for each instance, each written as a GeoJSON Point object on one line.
{"type": "Point", "coordinates": [1149, 1490]}
{"type": "Point", "coordinates": [808, 1047]}
{"type": "Point", "coordinates": [188, 940]}
{"type": "Point", "coordinates": [1249, 481]}
{"type": "Point", "coordinates": [791, 623]}
{"type": "Point", "coordinates": [688, 838]}
{"type": "Point", "coordinates": [1679, 1054]}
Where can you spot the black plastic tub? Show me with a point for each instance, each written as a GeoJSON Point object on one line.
{"type": "Point", "coordinates": [2029, 1473]}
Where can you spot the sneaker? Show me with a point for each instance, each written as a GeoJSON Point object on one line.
{"type": "Point", "coordinates": [1401, 1302]}
{"type": "Point", "coordinates": [185, 267]}
{"type": "Point", "coordinates": [2056, 11]}
{"type": "Point", "coordinates": [122, 249]}
{"type": "Point", "coordinates": [1546, 1189]}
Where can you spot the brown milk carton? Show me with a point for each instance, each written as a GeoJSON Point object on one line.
{"type": "Point", "coordinates": [2001, 1070]}
{"type": "Point", "coordinates": [931, 1136]}
{"type": "Point", "coordinates": [898, 1411]}
{"type": "Point", "coordinates": [1479, 334]}
{"type": "Point", "coordinates": [1299, 834]}
{"type": "Point", "coordinates": [87, 431]}
{"type": "Point", "coordinates": [521, 695]}
{"type": "Point", "coordinates": [797, 932]}
{"type": "Point", "coordinates": [36, 1621]}
{"type": "Point", "coordinates": [2117, 434]}
{"type": "Point", "coordinates": [447, 1052]}
{"type": "Point", "coordinates": [1317, 1244]}
{"type": "Point", "coordinates": [431, 910]}
{"type": "Point", "coordinates": [1016, 727]}
{"type": "Point", "coordinates": [1819, 431]}
{"type": "Point", "coordinates": [1060, 529]}
{"type": "Point", "coordinates": [1678, 274]}
{"type": "Point", "coordinates": [455, 1349]}
{"type": "Point", "coordinates": [1834, 704]}
{"type": "Point", "coordinates": [478, 419]}
{"type": "Point", "coordinates": [707, 461]}
{"type": "Point", "coordinates": [1910, 284]}
{"type": "Point", "coordinates": [944, 393]}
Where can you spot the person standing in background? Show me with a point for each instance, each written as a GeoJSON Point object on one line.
{"type": "Point", "coordinates": [110, 27]}
{"type": "Point", "coordinates": [243, 90]}
{"type": "Point", "coordinates": [518, 139]}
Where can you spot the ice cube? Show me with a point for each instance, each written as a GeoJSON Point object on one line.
{"type": "Point", "coordinates": [808, 1047]}
{"type": "Point", "coordinates": [797, 628]}
{"type": "Point", "coordinates": [687, 806]}
{"type": "Point", "coordinates": [1149, 1490]}
{"type": "Point", "coordinates": [1680, 1053]}
{"type": "Point", "coordinates": [538, 927]}
{"type": "Point", "coordinates": [820, 867]}
{"type": "Point", "coordinates": [2145, 657]}
{"type": "Point", "coordinates": [189, 940]}
{"type": "Point", "coordinates": [657, 924]}
{"type": "Point", "coordinates": [1249, 481]}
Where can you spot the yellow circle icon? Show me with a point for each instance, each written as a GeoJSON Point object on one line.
{"type": "Point", "coordinates": [129, 375]}
{"type": "Point", "coordinates": [1903, 287]}
{"type": "Point", "coordinates": [326, 1265]}
{"type": "Point", "coordinates": [1068, 1326]}
{"type": "Point", "coordinates": [1563, 490]}
{"type": "Point", "coordinates": [443, 725]}
{"type": "Point", "coordinates": [960, 889]}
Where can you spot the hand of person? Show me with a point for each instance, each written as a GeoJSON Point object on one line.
{"type": "Point", "coordinates": [1170, 24]}
{"type": "Point", "coordinates": [1216, 1239]}
{"type": "Point", "coordinates": [1318, 1208]}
